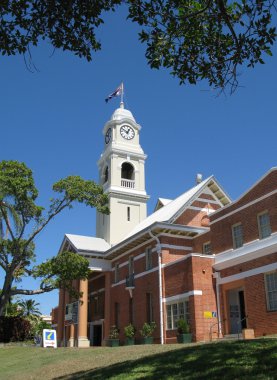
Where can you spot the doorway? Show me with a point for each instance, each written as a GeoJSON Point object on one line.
{"type": "Point", "coordinates": [96, 335]}
{"type": "Point", "coordinates": [237, 316]}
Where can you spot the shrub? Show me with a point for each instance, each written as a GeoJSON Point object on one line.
{"type": "Point", "coordinates": [129, 331]}
{"type": "Point", "coordinates": [147, 329]}
{"type": "Point", "coordinates": [14, 329]}
{"type": "Point", "coordinates": [114, 332]}
{"type": "Point", "coordinates": [182, 326]}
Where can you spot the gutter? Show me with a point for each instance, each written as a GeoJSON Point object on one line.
{"type": "Point", "coordinates": [160, 285]}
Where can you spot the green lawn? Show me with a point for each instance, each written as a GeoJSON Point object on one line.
{"type": "Point", "coordinates": [255, 359]}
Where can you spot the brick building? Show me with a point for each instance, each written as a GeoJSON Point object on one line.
{"type": "Point", "coordinates": [200, 256]}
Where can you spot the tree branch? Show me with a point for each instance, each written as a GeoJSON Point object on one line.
{"type": "Point", "coordinates": [3, 209]}
{"type": "Point", "coordinates": [31, 292]}
{"type": "Point", "coordinates": [228, 23]}
{"type": "Point", "coordinates": [59, 208]}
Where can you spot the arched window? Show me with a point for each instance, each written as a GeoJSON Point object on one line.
{"type": "Point", "coordinates": [106, 174]}
{"type": "Point", "coordinates": [127, 171]}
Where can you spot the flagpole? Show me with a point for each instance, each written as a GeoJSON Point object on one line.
{"type": "Point", "coordinates": [122, 93]}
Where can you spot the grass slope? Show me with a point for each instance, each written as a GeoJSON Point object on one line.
{"type": "Point", "coordinates": [255, 359]}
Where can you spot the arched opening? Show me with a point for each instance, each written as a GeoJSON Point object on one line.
{"type": "Point", "coordinates": [106, 174]}
{"type": "Point", "coordinates": [127, 175]}
{"type": "Point", "coordinates": [127, 171]}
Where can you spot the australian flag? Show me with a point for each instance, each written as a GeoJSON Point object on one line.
{"type": "Point", "coordinates": [116, 92]}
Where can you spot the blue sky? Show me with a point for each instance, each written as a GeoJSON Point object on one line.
{"type": "Point", "coordinates": [53, 120]}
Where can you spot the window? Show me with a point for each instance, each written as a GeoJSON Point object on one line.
{"type": "Point", "coordinates": [131, 265]}
{"type": "Point", "coordinates": [207, 248]}
{"type": "Point", "coordinates": [237, 235]}
{"type": "Point", "coordinates": [148, 259]}
{"type": "Point", "coordinates": [128, 214]}
{"type": "Point", "coordinates": [149, 308]}
{"type": "Point", "coordinates": [116, 273]}
{"type": "Point", "coordinates": [106, 175]}
{"type": "Point", "coordinates": [271, 290]}
{"type": "Point", "coordinates": [264, 225]}
{"type": "Point", "coordinates": [176, 311]}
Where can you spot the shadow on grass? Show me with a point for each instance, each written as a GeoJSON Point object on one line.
{"type": "Point", "coordinates": [225, 360]}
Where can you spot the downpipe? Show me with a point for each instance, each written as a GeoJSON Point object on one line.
{"type": "Point", "coordinates": [160, 284]}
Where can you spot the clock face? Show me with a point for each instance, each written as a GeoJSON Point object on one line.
{"type": "Point", "coordinates": [127, 132]}
{"type": "Point", "coordinates": [108, 136]}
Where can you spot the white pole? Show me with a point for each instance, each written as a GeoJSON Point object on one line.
{"type": "Point", "coordinates": [160, 285]}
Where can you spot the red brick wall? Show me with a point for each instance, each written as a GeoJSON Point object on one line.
{"type": "Point", "coordinates": [267, 185]}
{"type": "Point", "coordinates": [221, 231]}
{"type": "Point", "coordinates": [243, 267]}
{"type": "Point", "coordinates": [199, 241]}
{"type": "Point", "coordinates": [178, 278]}
{"type": "Point", "coordinates": [146, 284]}
{"type": "Point", "coordinates": [262, 321]}
{"type": "Point", "coordinates": [96, 284]}
{"type": "Point", "coordinates": [203, 280]}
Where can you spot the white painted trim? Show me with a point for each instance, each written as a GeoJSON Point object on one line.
{"type": "Point", "coordinates": [119, 283]}
{"type": "Point", "coordinates": [203, 209]}
{"type": "Point", "coordinates": [96, 292]}
{"type": "Point", "coordinates": [146, 272]}
{"type": "Point", "coordinates": [176, 261]}
{"type": "Point", "coordinates": [140, 256]}
{"type": "Point", "coordinates": [202, 256]}
{"type": "Point", "coordinates": [242, 207]}
{"type": "Point", "coordinates": [187, 257]}
{"type": "Point", "coordinates": [209, 192]}
{"type": "Point", "coordinates": [176, 247]}
{"type": "Point", "coordinates": [132, 249]}
{"type": "Point", "coordinates": [248, 273]}
{"type": "Point", "coordinates": [208, 201]}
{"type": "Point", "coordinates": [250, 251]}
{"type": "Point", "coordinates": [251, 188]}
{"type": "Point", "coordinates": [178, 236]}
{"type": "Point", "coordinates": [95, 278]}
{"type": "Point", "coordinates": [154, 249]}
{"type": "Point", "coordinates": [137, 276]}
{"type": "Point", "coordinates": [171, 299]}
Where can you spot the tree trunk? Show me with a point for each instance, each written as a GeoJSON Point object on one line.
{"type": "Point", "coordinates": [6, 291]}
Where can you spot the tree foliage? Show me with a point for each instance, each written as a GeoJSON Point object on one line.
{"type": "Point", "coordinates": [29, 308]}
{"type": "Point", "coordinates": [17, 247]}
{"type": "Point", "coordinates": [197, 40]}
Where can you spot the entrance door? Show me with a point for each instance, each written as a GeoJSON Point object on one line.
{"type": "Point", "coordinates": [236, 310]}
{"type": "Point", "coordinates": [97, 335]}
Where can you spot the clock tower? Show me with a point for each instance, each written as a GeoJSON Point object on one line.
{"type": "Point", "coordinates": [121, 173]}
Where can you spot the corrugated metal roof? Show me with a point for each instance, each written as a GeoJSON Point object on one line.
{"type": "Point", "coordinates": [88, 243]}
{"type": "Point", "coordinates": [166, 213]}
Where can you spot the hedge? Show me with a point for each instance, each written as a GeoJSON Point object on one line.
{"type": "Point", "coordinates": [14, 329]}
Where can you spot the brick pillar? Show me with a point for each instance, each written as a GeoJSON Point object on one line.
{"type": "Point", "coordinates": [83, 316]}
{"type": "Point", "coordinates": [107, 314]}
{"type": "Point", "coordinates": [61, 312]}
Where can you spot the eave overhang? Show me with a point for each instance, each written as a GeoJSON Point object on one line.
{"type": "Point", "coordinates": [250, 251]}
{"type": "Point", "coordinates": [156, 229]}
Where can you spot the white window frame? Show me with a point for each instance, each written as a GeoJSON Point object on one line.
{"type": "Point", "coordinates": [260, 226]}
{"type": "Point", "coordinates": [209, 252]}
{"type": "Point", "coordinates": [148, 258]}
{"type": "Point", "coordinates": [270, 291]}
{"type": "Point", "coordinates": [236, 237]}
{"type": "Point", "coordinates": [171, 322]}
